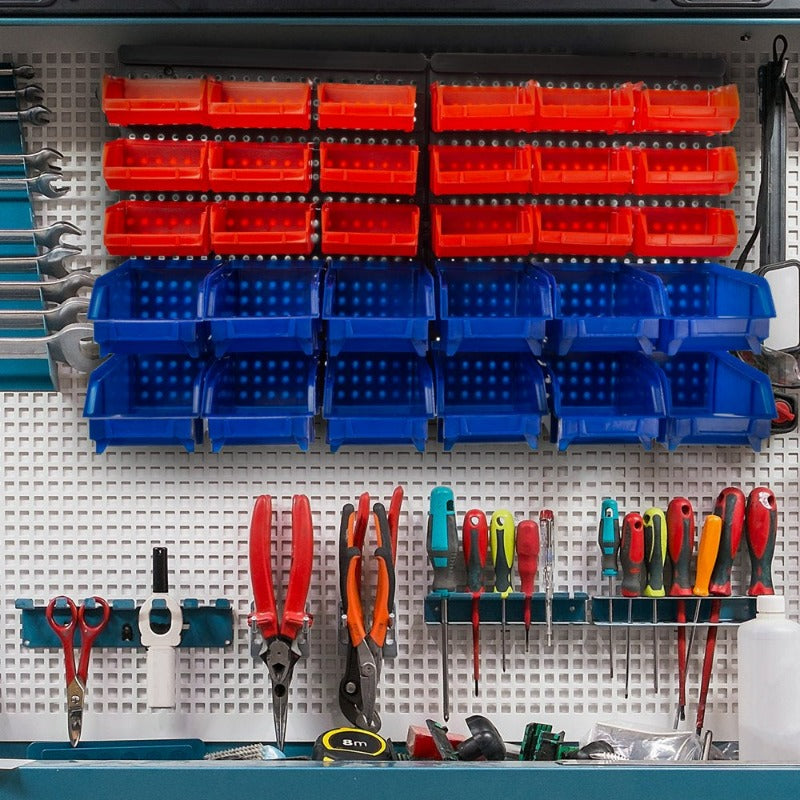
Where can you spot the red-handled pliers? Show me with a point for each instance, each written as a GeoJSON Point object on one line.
{"type": "Point", "coordinates": [281, 650]}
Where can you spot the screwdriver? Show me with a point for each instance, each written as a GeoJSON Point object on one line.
{"type": "Point", "coordinates": [631, 559]}
{"type": "Point", "coordinates": [730, 507]}
{"type": "Point", "coordinates": [707, 552]}
{"type": "Point", "coordinates": [501, 543]}
{"type": "Point", "coordinates": [680, 544]}
{"type": "Point", "coordinates": [655, 549]}
{"type": "Point", "coordinates": [442, 545]}
{"type": "Point", "coordinates": [546, 525]}
{"type": "Point", "coordinates": [761, 529]}
{"type": "Point", "coordinates": [476, 545]}
{"type": "Point", "coordinates": [528, 564]}
{"type": "Point", "coordinates": [608, 538]}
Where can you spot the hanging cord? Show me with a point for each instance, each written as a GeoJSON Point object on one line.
{"type": "Point", "coordinates": [775, 86]}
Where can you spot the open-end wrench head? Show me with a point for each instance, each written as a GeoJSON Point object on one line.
{"type": "Point", "coordinates": [51, 237]}
{"type": "Point", "coordinates": [45, 185]}
{"type": "Point", "coordinates": [24, 71]}
{"type": "Point", "coordinates": [36, 115]}
{"type": "Point", "coordinates": [32, 93]}
{"type": "Point", "coordinates": [45, 160]}
{"type": "Point", "coordinates": [52, 262]}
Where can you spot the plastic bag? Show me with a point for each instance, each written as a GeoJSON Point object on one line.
{"type": "Point", "coordinates": [641, 745]}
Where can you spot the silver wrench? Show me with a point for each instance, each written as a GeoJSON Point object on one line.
{"type": "Point", "coordinates": [25, 71]}
{"type": "Point", "coordinates": [73, 345]}
{"type": "Point", "coordinates": [35, 115]}
{"type": "Point", "coordinates": [43, 160]}
{"type": "Point", "coordinates": [50, 263]}
{"type": "Point", "coordinates": [42, 237]}
{"type": "Point", "coordinates": [33, 93]}
{"type": "Point", "coordinates": [56, 291]}
{"type": "Point", "coordinates": [44, 184]}
{"type": "Point", "coordinates": [54, 319]}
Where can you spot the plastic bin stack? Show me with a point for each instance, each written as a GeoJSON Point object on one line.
{"type": "Point", "coordinates": [616, 335]}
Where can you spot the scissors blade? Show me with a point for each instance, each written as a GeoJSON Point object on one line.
{"type": "Point", "coordinates": [75, 697]}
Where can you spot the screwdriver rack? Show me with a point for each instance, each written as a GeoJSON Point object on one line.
{"type": "Point", "coordinates": [568, 609]}
{"type": "Point", "coordinates": [650, 611]}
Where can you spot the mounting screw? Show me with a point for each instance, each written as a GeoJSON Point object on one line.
{"type": "Point", "coordinates": [745, 37]}
{"type": "Point", "coordinates": [127, 632]}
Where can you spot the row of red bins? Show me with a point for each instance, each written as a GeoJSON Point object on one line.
{"type": "Point", "coordinates": [252, 228]}
{"type": "Point", "coordinates": [163, 166]}
{"type": "Point", "coordinates": [622, 109]}
{"type": "Point", "coordinates": [344, 106]}
{"type": "Point", "coordinates": [257, 104]}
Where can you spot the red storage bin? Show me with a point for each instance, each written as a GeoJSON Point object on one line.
{"type": "Point", "coordinates": [138, 165]}
{"type": "Point", "coordinates": [259, 167]}
{"type": "Point", "coordinates": [687, 232]}
{"type": "Point", "coordinates": [242, 228]}
{"type": "Point", "coordinates": [582, 170]}
{"type": "Point", "coordinates": [356, 106]}
{"type": "Point", "coordinates": [583, 230]}
{"type": "Point", "coordinates": [378, 168]}
{"type": "Point", "coordinates": [673, 171]}
{"type": "Point", "coordinates": [457, 169]}
{"type": "Point", "coordinates": [370, 229]}
{"type": "Point", "coordinates": [481, 230]}
{"type": "Point", "coordinates": [136, 228]}
{"type": "Point", "coordinates": [701, 111]}
{"type": "Point", "coordinates": [154, 101]}
{"type": "Point", "coordinates": [248, 104]}
{"type": "Point", "coordinates": [482, 108]}
{"type": "Point", "coordinates": [569, 109]}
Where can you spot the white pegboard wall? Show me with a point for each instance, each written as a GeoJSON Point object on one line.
{"type": "Point", "coordinates": [79, 523]}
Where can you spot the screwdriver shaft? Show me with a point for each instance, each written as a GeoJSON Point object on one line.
{"type": "Point", "coordinates": [503, 632]}
{"type": "Point", "coordinates": [611, 627]}
{"type": "Point", "coordinates": [628, 648]}
{"type": "Point", "coordinates": [655, 646]}
{"type": "Point", "coordinates": [445, 662]}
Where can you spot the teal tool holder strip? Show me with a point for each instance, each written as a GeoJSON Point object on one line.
{"type": "Point", "coordinates": [203, 625]}
{"type": "Point", "coordinates": [663, 610]}
{"type": "Point", "coordinates": [567, 609]}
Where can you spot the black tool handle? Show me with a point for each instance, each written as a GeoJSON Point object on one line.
{"type": "Point", "coordinates": [160, 571]}
{"type": "Point", "coordinates": [730, 507]}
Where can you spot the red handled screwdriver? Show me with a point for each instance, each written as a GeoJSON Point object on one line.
{"type": "Point", "coordinates": [631, 559]}
{"type": "Point", "coordinates": [761, 526]}
{"type": "Point", "coordinates": [680, 544]}
{"type": "Point", "coordinates": [528, 564]}
{"type": "Point", "coordinates": [476, 548]}
{"type": "Point", "coordinates": [730, 507]}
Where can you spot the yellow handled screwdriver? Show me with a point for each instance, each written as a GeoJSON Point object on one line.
{"type": "Point", "coordinates": [501, 544]}
{"type": "Point", "coordinates": [655, 554]}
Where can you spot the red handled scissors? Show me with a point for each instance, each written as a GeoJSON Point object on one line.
{"type": "Point", "coordinates": [76, 679]}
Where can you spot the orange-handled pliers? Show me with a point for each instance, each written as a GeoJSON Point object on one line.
{"type": "Point", "coordinates": [358, 687]}
{"type": "Point", "coordinates": [280, 650]}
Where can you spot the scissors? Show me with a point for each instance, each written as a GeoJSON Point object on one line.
{"type": "Point", "coordinates": [76, 680]}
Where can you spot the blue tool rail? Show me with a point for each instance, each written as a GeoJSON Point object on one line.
{"type": "Point", "coordinates": [568, 609]}
{"type": "Point", "coordinates": [203, 625]}
{"type": "Point", "coordinates": [649, 611]}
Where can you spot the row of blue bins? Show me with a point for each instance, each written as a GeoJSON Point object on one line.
{"type": "Point", "coordinates": [239, 344]}
{"type": "Point", "coordinates": [201, 307]}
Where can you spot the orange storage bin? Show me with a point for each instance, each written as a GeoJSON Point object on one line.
{"type": "Point", "coordinates": [138, 165]}
{"type": "Point", "coordinates": [457, 169]}
{"type": "Point", "coordinates": [482, 108]}
{"type": "Point", "coordinates": [582, 170]}
{"type": "Point", "coordinates": [481, 230]}
{"type": "Point", "coordinates": [685, 232]}
{"type": "Point", "coordinates": [569, 109]}
{"type": "Point", "coordinates": [249, 104]}
{"type": "Point", "coordinates": [355, 106]}
{"type": "Point", "coordinates": [704, 111]}
{"type": "Point", "coordinates": [259, 167]}
{"type": "Point", "coordinates": [583, 230]}
{"type": "Point", "coordinates": [673, 171]}
{"type": "Point", "coordinates": [243, 228]}
{"type": "Point", "coordinates": [370, 229]}
{"type": "Point", "coordinates": [378, 168]}
{"type": "Point", "coordinates": [154, 101]}
{"type": "Point", "coordinates": [136, 228]}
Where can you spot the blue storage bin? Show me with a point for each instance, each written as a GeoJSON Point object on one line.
{"type": "Point", "coordinates": [145, 400]}
{"type": "Point", "coordinates": [607, 397]}
{"type": "Point", "coordinates": [716, 399]}
{"type": "Point", "coordinates": [150, 306]}
{"type": "Point", "coordinates": [489, 397]}
{"type": "Point", "coordinates": [499, 307]}
{"type": "Point", "coordinates": [711, 307]}
{"type": "Point", "coordinates": [605, 307]}
{"type": "Point", "coordinates": [375, 398]}
{"type": "Point", "coordinates": [261, 398]}
{"type": "Point", "coordinates": [383, 307]}
{"type": "Point", "coordinates": [260, 306]}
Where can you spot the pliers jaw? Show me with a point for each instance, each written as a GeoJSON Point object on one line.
{"type": "Point", "coordinates": [358, 688]}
